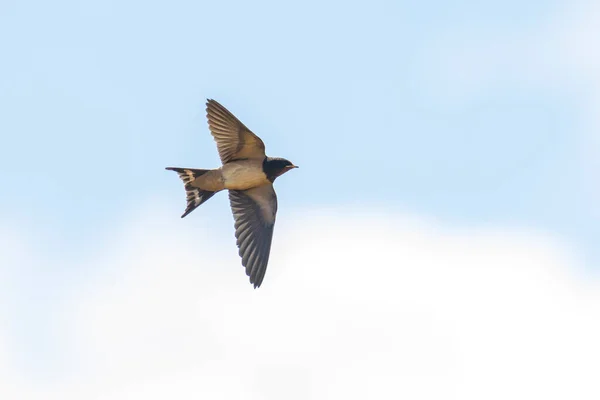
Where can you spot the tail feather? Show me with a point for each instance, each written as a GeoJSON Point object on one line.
{"type": "Point", "coordinates": [194, 195]}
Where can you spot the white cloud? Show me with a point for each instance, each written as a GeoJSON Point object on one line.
{"type": "Point", "coordinates": [557, 54]}
{"type": "Point", "coordinates": [353, 306]}
{"type": "Point", "coordinates": [560, 52]}
{"type": "Point", "coordinates": [578, 27]}
{"type": "Point", "coordinates": [581, 55]}
{"type": "Point", "coordinates": [13, 255]}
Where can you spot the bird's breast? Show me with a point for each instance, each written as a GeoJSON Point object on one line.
{"type": "Point", "coordinates": [243, 175]}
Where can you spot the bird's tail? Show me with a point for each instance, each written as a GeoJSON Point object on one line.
{"type": "Point", "coordinates": [194, 195]}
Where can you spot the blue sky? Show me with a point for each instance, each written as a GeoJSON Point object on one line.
{"type": "Point", "coordinates": [99, 96]}
{"type": "Point", "coordinates": [476, 114]}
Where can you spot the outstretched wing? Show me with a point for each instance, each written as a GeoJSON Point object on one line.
{"type": "Point", "coordinates": [234, 140]}
{"type": "Point", "coordinates": [254, 211]}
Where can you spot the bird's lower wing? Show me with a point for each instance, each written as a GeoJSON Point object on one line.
{"type": "Point", "coordinates": [254, 211]}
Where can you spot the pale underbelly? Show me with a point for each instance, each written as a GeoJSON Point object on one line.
{"type": "Point", "coordinates": [243, 176]}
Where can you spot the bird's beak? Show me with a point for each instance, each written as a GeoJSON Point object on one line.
{"type": "Point", "coordinates": [294, 166]}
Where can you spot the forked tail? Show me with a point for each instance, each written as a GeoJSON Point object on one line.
{"type": "Point", "coordinates": [194, 196]}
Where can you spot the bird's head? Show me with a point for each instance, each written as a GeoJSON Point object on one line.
{"type": "Point", "coordinates": [275, 166]}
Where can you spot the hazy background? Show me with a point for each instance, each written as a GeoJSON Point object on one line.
{"type": "Point", "coordinates": [440, 239]}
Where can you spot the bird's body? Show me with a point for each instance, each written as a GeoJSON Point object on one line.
{"type": "Point", "coordinates": [235, 175]}
{"type": "Point", "coordinates": [248, 174]}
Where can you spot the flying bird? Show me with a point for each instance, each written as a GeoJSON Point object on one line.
{"type": "Point", "coordinates": [248, 174]}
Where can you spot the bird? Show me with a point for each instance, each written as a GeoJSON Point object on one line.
{"type": "Point", "coordinates": [248, 174]}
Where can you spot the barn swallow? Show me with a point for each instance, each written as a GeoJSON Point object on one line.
{"type": "Point", "coordinates": [248, 174]}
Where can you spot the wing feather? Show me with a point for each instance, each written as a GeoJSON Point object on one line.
{"type": "Point", "coordinates": [254, 212]}
{"type": "Point", "coordinates": [234, 140]}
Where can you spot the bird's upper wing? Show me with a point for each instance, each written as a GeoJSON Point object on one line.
{"type": "Point", "coordinates": [234, 140]}
{"type": "Point", "coordinates": [254, 211]}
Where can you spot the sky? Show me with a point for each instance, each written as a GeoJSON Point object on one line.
{"type": "Point", "coordinates": [438, 240]}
